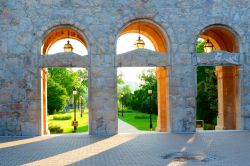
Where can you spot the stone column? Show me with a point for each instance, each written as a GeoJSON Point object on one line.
{"type": "Point", "coordinates": [227, 97]}
{"type": "Point", "coordinates": [244, 123]}
{"type": "Point", "coordinates": [163, 99]}
{"type": "Point", "coordinates": [103, 114]}
{"type": "Point", "coordinates": [182, 98]}
{"type": "Point", "coordinates": [44, 78]}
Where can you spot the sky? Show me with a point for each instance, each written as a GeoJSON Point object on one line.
{"type": "Point", "coordinates": [125, 43]}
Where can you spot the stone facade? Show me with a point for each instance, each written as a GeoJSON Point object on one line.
{"type": "Point", "coordinates": [25, 24]}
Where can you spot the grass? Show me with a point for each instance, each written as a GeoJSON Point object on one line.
{"type": "Point", "coordinates": [66, 124]}
{"type": "Point", "coordinates": [62, 117]}
{"type": "Point", "coordinates": [138, 119]}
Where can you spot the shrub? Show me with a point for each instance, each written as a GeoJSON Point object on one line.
{"type": "Point", "coordinates": [62, 117]}
{"type": "Point", "coordinates": [141, 117]}
{"type": "Point", "coordinates": [55, 129]}
{"type": "Point", "coordinates": [128, 111]}
{"type": "Point", "coordinates": [209, 126]}
{"type": "Point", "coordinates": [125, 110]}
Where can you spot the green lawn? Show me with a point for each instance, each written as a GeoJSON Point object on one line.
{"type": "Point", "coordinates": [66, 124]}
{"type": "Point", "coordinates": [138, 120]}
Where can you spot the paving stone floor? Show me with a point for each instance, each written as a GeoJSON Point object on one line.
{"type": "Point", "coordinates": [124, 127]}
{"type": "Point", "coordinates": [145, 149]}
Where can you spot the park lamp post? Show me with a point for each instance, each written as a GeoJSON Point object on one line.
{"type": "Point", "coordinates": [150, 108]}
{"type": "Point", "coordinates": [81, 99]}
{"type": "Point", "coordinates": [74, 123]}
{"type": "Point", "coordinates": [122, 104]}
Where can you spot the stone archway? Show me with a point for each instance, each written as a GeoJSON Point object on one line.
{"type": "Point", "coordinates": [224, 38]}
{"type": "Point", "coordinates": [55, 34]}
{"type": "Point", "coordinates": [160, 41]}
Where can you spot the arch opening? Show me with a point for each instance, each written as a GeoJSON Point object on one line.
{"type": "Point", "coordinates": [224, 38]}
{"type": "Point", "coordinates": [53, 43]}
{"type": "Point", "coordinates": [156, 36]}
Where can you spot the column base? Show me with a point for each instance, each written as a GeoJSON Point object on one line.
{"type": "Point", "coordinates": [219, 128]}
{"type": "Point", "coordinates": [46, 132]}
{"type": "Point", "coordinates": [161, 129]}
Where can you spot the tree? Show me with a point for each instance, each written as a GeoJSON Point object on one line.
{"type": "Point", "coordinates": [207, 97]}
{"type": "Point", "coordinates": [66, 78]}
{"type": "Point", "coordinates": [124, 91]}
{"type": "Point", "coordinates": [200, 46]}
{"type": "Point", "coordinates": [82, 86]}
{"type": "Point", "coordinates": [120, 79]}
{"type": "Point", "coordinates": [57, 97]}
{"type": "Point", "coordinates": [149, 80]}
{"type": "Point", "coordinates": [139, 99]}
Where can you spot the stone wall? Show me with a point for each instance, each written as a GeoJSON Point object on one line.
{"type": "Point", "coordinates": [23, 25]}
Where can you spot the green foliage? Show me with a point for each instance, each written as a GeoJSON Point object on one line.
{"type": "Point", "coordinates": [200, 47]}
{"type": "Point", "coordinates": [209, 126]}
{"type": "Point", "coordinates": [207, 97]}
{"type": "Point", "coordinates": [67, 79]}
{"type": "Point", "coordinates": [124, 92]}
{"type": "Point", "coordinates": [139, 99]}
{"type": "Point", "coordinates": [82, 87]}
{"type": "Point", "coordinates": [62, 117]}
{"type": "Point", "coordinates": [57, 97]}
{"type": "Point", "coordinates": [124, 95]}
{"type": "Point", "coordinates": [55, 129]}
{"type": "Point", "coordinates": [119, 78]}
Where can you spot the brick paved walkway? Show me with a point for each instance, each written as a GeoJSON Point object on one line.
{"type": "Point", "coordinates": [147, 149]}
{"type": "Point", "coordinates": [124, 127]}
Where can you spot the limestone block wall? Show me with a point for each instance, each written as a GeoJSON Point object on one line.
{"type": "Point", "coordinates": [23, 26]}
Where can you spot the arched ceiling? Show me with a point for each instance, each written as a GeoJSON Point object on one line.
{"type": "Point", "coordinates": [222, 38]}
{"type": "Point", "coordinates": [58, 34]}
{"type": "Point", "coordinates": [151, 31]}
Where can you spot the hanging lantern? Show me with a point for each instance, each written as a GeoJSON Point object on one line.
{"type": "Point", "coordinates": [208, 47]}
{"type": "Point", "coordinates": [68, 47]}
{"type": "Point", "coordinates": [139, 43]}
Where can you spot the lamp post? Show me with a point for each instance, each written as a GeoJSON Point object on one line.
{"type": "Point", "coordinates": [150, 108]}
{"type": "Point", "coordinates": [74, 123]}
{"type": "Point", "coordinates": [81, 105]}
{"type": "Point", "coordinates": [122, 104]}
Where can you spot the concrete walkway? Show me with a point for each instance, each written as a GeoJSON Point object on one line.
{"type": "Point", "coordinates": [148, 149]}
{"type": "Point", "coordinates": [124, 127]}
